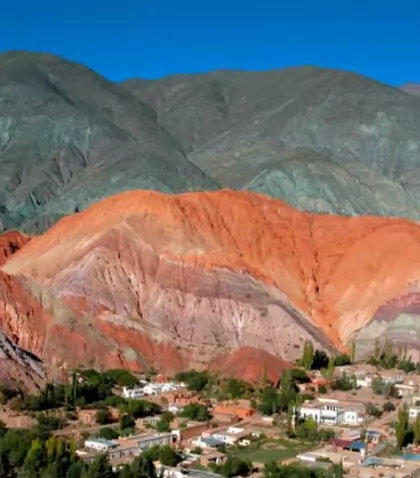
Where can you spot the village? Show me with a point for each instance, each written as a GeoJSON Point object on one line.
{"type": "Point", "coordinates": [348, 419]}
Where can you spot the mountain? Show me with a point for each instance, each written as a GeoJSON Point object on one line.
{"type": "Point", "coordinates": [69, 137]}
{"type": "Point", "coordinates": [322, 140]}
{"type": "Point", "coordinates": [177, 281]}
{"type": "Point", "coordinates": [18, 366]}
{"type": "Point", "coordinates": [411, 89]}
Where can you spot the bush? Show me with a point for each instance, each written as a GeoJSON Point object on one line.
{"type": "Point", "coordinates": [49, 422]}
{"type": "Point", "coordinates": [372, 410]}
{"type": "Point", "coordinates": [195, 411]}
{"type": "Point", "coordinates": [108, 433]}
{"type": "Point", "coordinates": [121, 377]}
{"type": "Point", "coordinates": [103, 417]}
{"type": "Point", "coordinates": [163, 426]}
{"type": "Point", "coordinates": [195, 381]}
{"type": "Point", "coordinates": [388, 407]}
{"type": "Point", "coordinates": [126, 421]}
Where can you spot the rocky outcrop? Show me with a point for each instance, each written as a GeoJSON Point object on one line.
{"type": "Point", "coordinates": [175, 281]}
{"type": "Point", "coordinates": [22, 324]}
{"type": "Point", "coordinates": [250, 364]}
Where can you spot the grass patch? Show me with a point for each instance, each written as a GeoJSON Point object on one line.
{"type": "Point", "coordinates": [269, 450]}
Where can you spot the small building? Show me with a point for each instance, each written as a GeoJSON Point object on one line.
{"type": "Point", "coordinates": [355, 446]}
{"type": "Point", "coordinates": [231, 435]}
{"type": "Point", "coordinates": [240, 408]}
{"type": "Point", "coordinates": [132, 393]}
{"type": "Point", "coordinates": [208, 442]}
{"type": "Point", "coordinates": [191, 430]}
{"type": "Point", "coordinates": [100, 444]}
{"type": "Point", "coordinates": [406, 390]}
{"type": "Point", "coordinates": [330, 412]}
{"type": "Point", "coordinates": [212, 457]}
{"type": "Point", "coordinates": [146, 440]}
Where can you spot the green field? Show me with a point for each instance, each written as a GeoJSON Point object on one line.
{"type": "Point", "coordinates": [269, 450]}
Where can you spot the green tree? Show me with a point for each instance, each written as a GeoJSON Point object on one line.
{"type": "Point", "coordinates": [401, 426]}
{"type": "Point", "coordinates": [416, 430]}
{"type": "Point", "coordinates": [269, 401]}
{"type": "Point", "coordinates": [352, 355]}
{"type": "Point", "coordinates": [36, 459]}
{"type": "Point", "coordinates": [195, 411]}
{"type": "Point", "coordinates": [330, 369]}
{"type": "Point", "coordinates": [143, 466]}
{"type": "Point", "coordinates": [307, 354]}
{"type": "Point", "coordinates": [5, 467]}
{"type": "Point", "coordinates": [388, 407]}
{"type": "Point", "coordinates": [168, 456]}
{"type": "Point", "coordinates": [126, 421]}
{"type": "Point", "coordinates": [163, 426]}
{"type": "Point", "coordinates": [99, 468]}
{"type": "Point", "coordinates": [234, 466]}
{"type": "Point", "coordinates": [75, 471]}
{"type": "Point", "coordinates": [377, 351]}
{"type": "Point", "coordinates": [108, 433]}
{"type": "Point", "coordinates": [339, 470]}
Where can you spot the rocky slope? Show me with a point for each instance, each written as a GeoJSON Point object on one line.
{"type": "Point", "coordinates": [323, 140]}
{"type": "Point", "coordinates": [18, 311]}
{"type": "Point", "coordinates": [411, 89]}
{"type": "Point", "coordinates": [69, 137]}
{"type": "Point", "coordinates": [176, 280]}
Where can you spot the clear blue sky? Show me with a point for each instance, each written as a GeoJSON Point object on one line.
{"type": "Point", "coordinates": [127, 38]}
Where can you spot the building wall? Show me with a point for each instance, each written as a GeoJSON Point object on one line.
{"type": "Point", "coordinates": [193, 431]}
{"type": "Point", "coordinates": [240, 412]}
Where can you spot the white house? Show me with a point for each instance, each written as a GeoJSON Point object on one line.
{"type": "Point", "coordinates": [230, 436]}
{"type": "Point", "coordinates": [136, 392]}
{"type": "Point", "coordinates": [329, 412]}
{"type": "Point", "coordinates": [99, 444]}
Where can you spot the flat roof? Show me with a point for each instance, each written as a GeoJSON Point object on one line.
{"type": "Point", "coordinates": [212, 441]}
{"type": "Point", "coordinates": [102, 441]}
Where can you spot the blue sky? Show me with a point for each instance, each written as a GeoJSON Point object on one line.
{"type": "Point", "coordinates": [128, 38]}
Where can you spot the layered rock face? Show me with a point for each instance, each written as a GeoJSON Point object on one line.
{"type": "Point", "coordinates": [22, 324]}
{"type": "Point", "coordinates": [146, 278]}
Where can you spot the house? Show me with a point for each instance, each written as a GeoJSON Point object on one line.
{"type": "Point", "coordinates": [330, 412]}
{"type": "Point", "coordinates": [146, 440]}
{"type": "Point", "coordinates": [100, 444]}
{"type": "Point", "coordinates": [241, 408]}
{"type": "Point", "coordinates": [133, 393]}
{"type": "Point", "coordinates": [231, 435]}
{"type": "Point", "coordinates": [212, 457]}
{"type": "Point", "coordinates": [406, 390]}
{"type": "Point", "coordinates": [356, 446]}
{"type": "Point", "coordinates": [207, 442]}
{"type": "Point", "coordinates": [191, 430]}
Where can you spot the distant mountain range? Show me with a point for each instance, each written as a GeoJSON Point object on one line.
{"type": "Point", "coordinates": [323, 140]}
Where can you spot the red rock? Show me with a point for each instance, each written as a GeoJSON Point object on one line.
{"type": "Point", "coordinates": [11, 242]}
{"type": "Point", "coordinates": [179, 279]}
{"type": "Point", "coordinates": [250, 364]}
